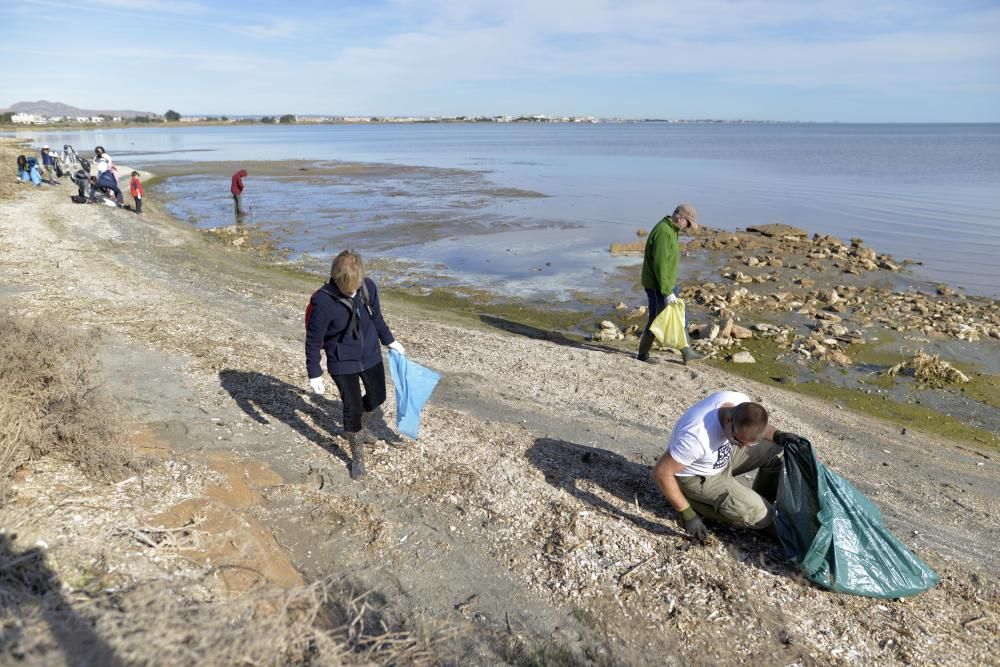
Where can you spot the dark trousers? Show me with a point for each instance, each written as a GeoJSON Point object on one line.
{"type": "Point", "coordinates": [138, 204]}
{"type": "Point", "coordinates": [237, 201]}
{"type": "Point", "coordinates": [109, 189]}
{"type": "Point", "coordinates": [355, 405]}
{"type": "Point", "coordinates": [657, 302]}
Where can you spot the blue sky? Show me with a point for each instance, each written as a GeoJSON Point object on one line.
{"type": "Point", "coordinates": [848, 61]}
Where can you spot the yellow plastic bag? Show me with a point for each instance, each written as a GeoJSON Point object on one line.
{"type": "Point", "coordinates": [668, 327]}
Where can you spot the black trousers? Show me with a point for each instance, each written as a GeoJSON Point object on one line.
{"type": "Point", "coordinates": [349, 386]}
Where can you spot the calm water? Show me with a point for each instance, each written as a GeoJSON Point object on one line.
{"type": "Point", "coordinates": [924, 192]}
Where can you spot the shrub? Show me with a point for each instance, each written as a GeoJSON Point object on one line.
{"type": "Point", "coordinates": [53, 402]}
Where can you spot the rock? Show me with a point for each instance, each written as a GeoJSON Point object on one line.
{"type": "Point", "coordinates": [752, 261]}
{"type": "Point", "coordinates": [239, 241]}
{"type": "Point", "coordinates": [727, 328]}
{"type": "Point", "coordinates": [828, 296]}
{"type": "Point", "coordinates": [743, 357]}
{"type": "Point", "coordinates": [636, 314]}
{"type": "Point", "coordinates": [838, 330]}
{"type": "Point", "coordinates": [713, 332]}
{"type": "Point", "coordinates": [620, 306]}
{"type": "Point", "coordinates": [607, 333]}
{"type": "Point", "coordinates": [838, 357]}
{"type": "Point", "coordinates": [741, 332]}
{"type": "Point", "coordinates": [828, 317]}
{"type": "Point", "coordinates": [944, 290]}
{"type": "Point", "coordinates": [780, 230]}
{"type": "Point", "coordinates": [805, 282]}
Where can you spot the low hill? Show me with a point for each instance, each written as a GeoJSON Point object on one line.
{"type": "Point", "coordinates": [46, 108]}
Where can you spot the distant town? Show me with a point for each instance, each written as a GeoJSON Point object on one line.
{"type": "Point", "coordinates": [81, 117]}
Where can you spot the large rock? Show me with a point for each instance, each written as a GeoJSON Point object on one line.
{"type": "Point", "coordinates": [778, 230]}
{"type": "Point", "coordinates": [741, 332]}
{"type": "Point", "coordinates": [742, 357]}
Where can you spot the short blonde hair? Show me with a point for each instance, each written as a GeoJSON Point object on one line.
{"type": "Point", "coordinates": [348, 271]}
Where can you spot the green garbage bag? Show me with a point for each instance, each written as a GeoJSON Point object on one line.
{"type": "Point", "coordinates": [835, 533]}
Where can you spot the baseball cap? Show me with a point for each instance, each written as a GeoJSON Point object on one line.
{"type": "Point", "coordinates": [688, 212]}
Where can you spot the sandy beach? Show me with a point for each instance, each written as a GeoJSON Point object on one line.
{"type": "Point", "coordinates": [521, 528]}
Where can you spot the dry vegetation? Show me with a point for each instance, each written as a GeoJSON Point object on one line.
{"type": "Point", "coordinates": [52, 400]}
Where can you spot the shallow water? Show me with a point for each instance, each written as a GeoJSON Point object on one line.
{"type": "Point", "coordinates": [469, 216]}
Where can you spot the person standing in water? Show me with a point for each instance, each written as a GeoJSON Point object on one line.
{"type": "Point", "coordinates": [237, 189]}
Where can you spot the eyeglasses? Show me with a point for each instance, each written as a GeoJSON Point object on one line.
{"type": "Point", "coordinates": [733, 438]}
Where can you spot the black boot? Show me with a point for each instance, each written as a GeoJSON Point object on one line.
{"type": "Point", "coordinates": [358, 471]}
{"type": "Point", "coordinates": [690, 355]}
{"type": "Point", "coordinates": [367, 437]}
{"type": "Point", "coordinates": [645, 345]}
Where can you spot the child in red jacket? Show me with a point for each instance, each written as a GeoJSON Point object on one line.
{"type": "Point", "coordinates": [137, 192]}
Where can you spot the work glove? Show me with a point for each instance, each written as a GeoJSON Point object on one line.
{"type": "Point", "coordinates": [396, 345]}
{"type": "Point", "coordinates": [694, 526]}
{"type": "Point", "coordinates": [783, 438]}
{"type": "Point", "coordinates": [316, 384]}
{"type": "Point", "coordinates": [671, 299]}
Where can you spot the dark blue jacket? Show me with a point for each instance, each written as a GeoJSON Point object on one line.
{"type": "Point", "coordinates": [107, 180]}
{"type": "Point", "coordinates": [328, 327]}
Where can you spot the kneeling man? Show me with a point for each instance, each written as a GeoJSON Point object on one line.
{"type": "Point", "coordinates": [718, 438]}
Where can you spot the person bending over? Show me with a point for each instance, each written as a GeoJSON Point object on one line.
{"type": "Point", "coordinates": [717, 439]}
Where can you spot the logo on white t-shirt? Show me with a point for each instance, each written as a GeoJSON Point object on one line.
{"type": "Point", "coordinates": [724, 453]}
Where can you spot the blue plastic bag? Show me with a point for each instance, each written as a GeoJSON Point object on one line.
{"type": "Point", "coordinates": [414, 385]}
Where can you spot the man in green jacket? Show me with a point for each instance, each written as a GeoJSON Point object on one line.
{"type": "Point", "coordinates": [659, 272]}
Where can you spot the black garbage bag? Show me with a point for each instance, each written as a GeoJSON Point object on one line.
{"type": "Point", "coordinates": [835, 533]}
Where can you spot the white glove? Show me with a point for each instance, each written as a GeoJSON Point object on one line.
{"type": "Point", "coordinates": [396, 345]}
{"type": "Point", "coordinates": [671, 299]}
{"type": "Point", "coordinates": [316, 384]}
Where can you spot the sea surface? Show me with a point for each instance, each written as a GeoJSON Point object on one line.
{"type": "Point", "coordinates": [531, 209]}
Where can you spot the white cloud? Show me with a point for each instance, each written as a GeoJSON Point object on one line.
{"type": "Point", "coordinates": [280, 29]}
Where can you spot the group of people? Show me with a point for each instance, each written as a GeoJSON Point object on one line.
{"type": "Point", "coordinates": [716, 440]}
{"type": "Point", "coordinates": [105, 183]}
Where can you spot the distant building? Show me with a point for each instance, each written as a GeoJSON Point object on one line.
{"type": "Point", "coordinates": [27, 119]}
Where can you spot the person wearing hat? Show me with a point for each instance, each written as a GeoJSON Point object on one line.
{"type": "Point", "coordinates": [49, 165]}
{"type": "Point", "coordinates": [660, 264]}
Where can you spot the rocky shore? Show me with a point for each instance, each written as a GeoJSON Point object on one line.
{"type": "Point", "coordinates": [522, 528]}
{"type": "Point", "coordinates": [812, 302]}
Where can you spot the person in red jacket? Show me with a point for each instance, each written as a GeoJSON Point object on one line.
{"type": "Point", "coordinates": [237, 190]}
{"type": "Point", "coordinates": [136, 186]}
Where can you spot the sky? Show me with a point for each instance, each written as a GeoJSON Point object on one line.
{"type": "Point", "coordinates": [833, 60]}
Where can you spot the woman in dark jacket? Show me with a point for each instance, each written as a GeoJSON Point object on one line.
{"type": "Point", "coordinates": [344, 319]}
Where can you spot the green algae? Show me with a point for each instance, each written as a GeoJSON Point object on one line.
{"type": "Point", "coordinates": [771, 369]}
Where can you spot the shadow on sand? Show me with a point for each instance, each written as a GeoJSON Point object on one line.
{"type": "Point", "coordinates": [262, 396]}
{"type": "Point", "coordinates": [576, 468]}
{"type": "Point", "coordinates": [30, 589]}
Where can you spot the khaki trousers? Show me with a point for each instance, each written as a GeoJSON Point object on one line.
{"type": "Point", "coordinates": [723, 498]}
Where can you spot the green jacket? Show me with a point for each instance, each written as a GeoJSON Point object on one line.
{"type": "Point", "coordinates": [662, 257]}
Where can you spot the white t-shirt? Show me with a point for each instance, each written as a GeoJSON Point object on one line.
{"type": "Point", "coordinates": [698, 441]}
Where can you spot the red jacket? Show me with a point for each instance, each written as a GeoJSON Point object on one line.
{"type": "Point", "coordinates": [237, 187]}
{"type": "Point", "coordinates": [136, 187]}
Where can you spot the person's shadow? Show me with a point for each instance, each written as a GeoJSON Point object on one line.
{"type": "Point", "coordinates": [262, 396]}
{"type": "Point", "coordinates": [30, 589]}
{"type": "Point", "coordinates": [546, 334]}
{"type": "Point", "coordinates": [574, 468]}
